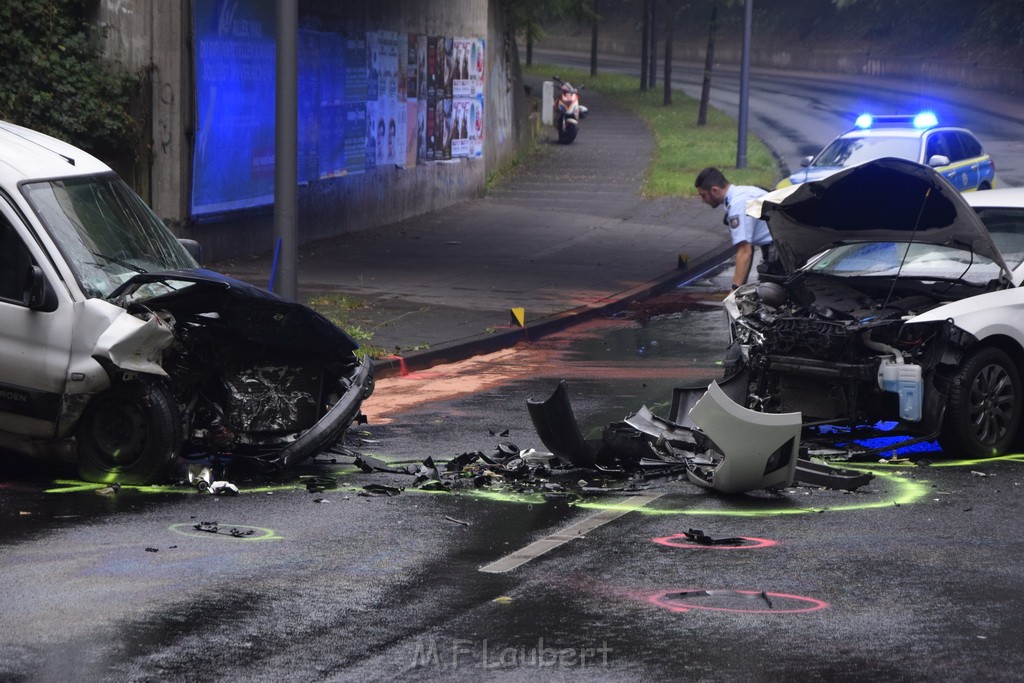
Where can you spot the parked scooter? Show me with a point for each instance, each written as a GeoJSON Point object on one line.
{"type": "Point", "coordinates": [568, 111]}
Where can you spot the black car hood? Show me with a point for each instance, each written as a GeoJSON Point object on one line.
{"type": "Point", "coordinates": [884, 200]}
{"type": "Point", "coordinates": [257, 315]}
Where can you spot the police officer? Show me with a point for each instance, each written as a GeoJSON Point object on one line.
{"type": "Point", "coordinates": [746, 232]}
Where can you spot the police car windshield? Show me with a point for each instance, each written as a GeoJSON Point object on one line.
{"type": "Point", "coordinates": [106, 233]}
{"type": "Point", "coordinates": [852, 151]}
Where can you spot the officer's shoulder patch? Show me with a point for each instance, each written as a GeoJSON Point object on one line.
{"type": "Point", "coordinates": [734, 222]}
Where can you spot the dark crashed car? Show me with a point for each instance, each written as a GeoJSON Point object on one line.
{"type": "Point", "coordinates": [897, 306]}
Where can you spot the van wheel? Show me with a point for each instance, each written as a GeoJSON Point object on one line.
{"type": "Point", "coordinates": [984, 406]}
{"type": "Point", "coordinates": [129, 434]}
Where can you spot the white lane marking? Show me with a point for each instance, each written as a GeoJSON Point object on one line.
{"type": "Point", "coordinates": [559, 538]}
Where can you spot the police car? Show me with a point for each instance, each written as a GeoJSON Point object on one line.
{"type": "Point", "coordinates": [953, 152]}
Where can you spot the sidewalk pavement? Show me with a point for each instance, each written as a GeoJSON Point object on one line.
{"type": "Point", "coordinates": [567, 238]}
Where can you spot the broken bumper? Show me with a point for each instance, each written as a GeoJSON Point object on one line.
{"type": "Point", "coordinates": [332, 426]}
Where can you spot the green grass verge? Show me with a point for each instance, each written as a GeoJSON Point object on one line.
{"type": "Point", "coordinates": [683, 147]}
{"type": "Point", "coordinates": [343, 310]}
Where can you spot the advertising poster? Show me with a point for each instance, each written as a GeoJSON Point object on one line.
{"type": "Point", "coordinates": [233, 153]}
{"type": "Point", "coordinates": [355, 89]}
{"type": "Point", "coordinates": [421, 131]}
{"type": "Point", "coordinates": [445, 116]}
{"type": "Point", "coordinates": [432, 70]}
{"type": "Point", "coordinates": [467, 127]}
{"type": "Point", "coordinates": [446, 65]}
{"type": "Point", "coordinates": [469, 67]}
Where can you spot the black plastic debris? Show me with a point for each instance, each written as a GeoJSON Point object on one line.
{"type": "Point", "coordinates": [368, 464]}
{"type": "Point", "coordinates": [152, 550]}
{"type": "Point", "coordinates": [380, 490]}
{"type": "Point", "coordinates": [698, 536]}
{"type": "Point", "coordinates": [460, 461]}
{"type": "Point", "coordinates": [555, 423]}
{"type": "Point", "coordinates": [209, 527]}
{"type": "Point", "coordinates": [315, 483]}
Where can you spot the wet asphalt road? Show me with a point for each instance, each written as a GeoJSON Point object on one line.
{"type": "Point", "coordinates": [914, 577]}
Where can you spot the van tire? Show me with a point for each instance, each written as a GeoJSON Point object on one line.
{"type": "Point", "coordinates": [129, 434]}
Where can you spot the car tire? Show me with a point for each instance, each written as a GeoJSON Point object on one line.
{"type": "Point", "coordinates": [129, 434]}
{"type": "Point", "coordinates": [983, 407]}
{"type": "Point", "coordinates": [984, 186]}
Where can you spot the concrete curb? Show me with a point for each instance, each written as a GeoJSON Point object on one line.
{"type": "Point", "coordinates": [462, 349]}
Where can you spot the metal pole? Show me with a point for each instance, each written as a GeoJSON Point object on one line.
{"type": "Point", "coordinates": [286, 145]}
{"type": "Point", "coordinates": [741, 142]}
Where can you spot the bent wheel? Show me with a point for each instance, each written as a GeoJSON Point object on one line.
{"type": "Point", "coordinates": [129, 434]}
{"type": "Point", "coordinates": [984, 404]}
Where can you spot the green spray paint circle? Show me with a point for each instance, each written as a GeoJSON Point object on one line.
{"type": "Point", "coordinates": [188, 529]}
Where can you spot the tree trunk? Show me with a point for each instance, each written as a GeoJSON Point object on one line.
{"type": "Point", "coordinates": [645, 44]}
{"type": "Point", "coordinates": [529, 45]}
{"type": "Point", "coordinates": [652, 70]}
{"type": "Point", "coordinates": [709, 61]}
{"type": "Point", "coordinates": [593, 42]}
{"type": "Point", "coordinates": [670, 29]}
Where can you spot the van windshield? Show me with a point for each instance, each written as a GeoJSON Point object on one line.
{"type": "Point", "coordinates": [105, 231]}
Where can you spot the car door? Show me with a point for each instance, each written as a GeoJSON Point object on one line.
{"type": "Point", "coordinates": [982, 170]}
{"type": "Point", "coordinates": [35, 342]}
{"type": "Point", "coordinates": [938, 142]}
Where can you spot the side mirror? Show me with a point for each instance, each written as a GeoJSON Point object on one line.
{"type": "Point", "coordinates": [194, 249]}
{"type": "Point", "coordinates": [806, 161]}
{"type": "Point", "coordinates": [36, 291]}
{"type": "Point", "coordinates": [937, 160]}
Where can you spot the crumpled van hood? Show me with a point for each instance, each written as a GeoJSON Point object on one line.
{"type": "Point", "coordinates": [884, 200]}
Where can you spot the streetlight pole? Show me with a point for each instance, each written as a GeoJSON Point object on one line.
{"type": "Point", "coordinates": [741, 142]}
{"type": "Point", "coordinates": [286, 144]}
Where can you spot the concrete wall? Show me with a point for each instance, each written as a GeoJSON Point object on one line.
{"type": "Point", "coordinates": [155, 39]}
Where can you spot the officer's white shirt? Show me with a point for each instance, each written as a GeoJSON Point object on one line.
{"type": "Point", "coordinates": [744, 228]}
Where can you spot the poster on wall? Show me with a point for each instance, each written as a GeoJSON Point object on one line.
{"type": "Point", "coordinates": [467, 127]}
{"type": "Point", "coordinates": [468, 80]}
{"type": "Point", "coordinates": [233, 153]}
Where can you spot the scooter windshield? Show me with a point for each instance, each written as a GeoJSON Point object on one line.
{"type": "Point", "coordinates": [105, 232]}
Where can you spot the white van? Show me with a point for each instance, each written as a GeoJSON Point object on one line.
{"type": "Point", "coordinates": [118, 350]}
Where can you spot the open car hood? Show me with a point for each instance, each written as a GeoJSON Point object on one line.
{"type": "Point", "coordinates": [884, 200]}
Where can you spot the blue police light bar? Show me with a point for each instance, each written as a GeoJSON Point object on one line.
{"type": "Point", "coordinates": [864, 121]}
{"type": "Point", "coordinates": [925, 119]}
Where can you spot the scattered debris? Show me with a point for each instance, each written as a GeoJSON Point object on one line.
{"type": "Point", "coordinates": [698, 536]}
{"type": "Point", "coordinates": [711, 440]}
{"type": "Point", "coordinates": [109, 490]}
{"type": "Point", "coordinates": [457, 521]}
{"type": "Point", "coordinates": [368, 464]}
{"type": "Point", "coordinates": [380, 490]}
{"type": "Point", "coordinates": [315, 483]}
{"type": "Point", "coordinates": [223, 488]}
{"type": "Point", "coordinates": [152, 550]}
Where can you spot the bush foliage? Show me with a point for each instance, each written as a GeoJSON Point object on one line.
{"type": "Point", "coordinates": [54, 78]}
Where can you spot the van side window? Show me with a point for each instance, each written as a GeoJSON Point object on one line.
{"type": "Point", "coordinates": [15, 261]}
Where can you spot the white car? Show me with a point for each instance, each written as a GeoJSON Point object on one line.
{"type": "Point", "coordinates": [899, 305]}
{"type": "Point", "coordinates": [118, 351]}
